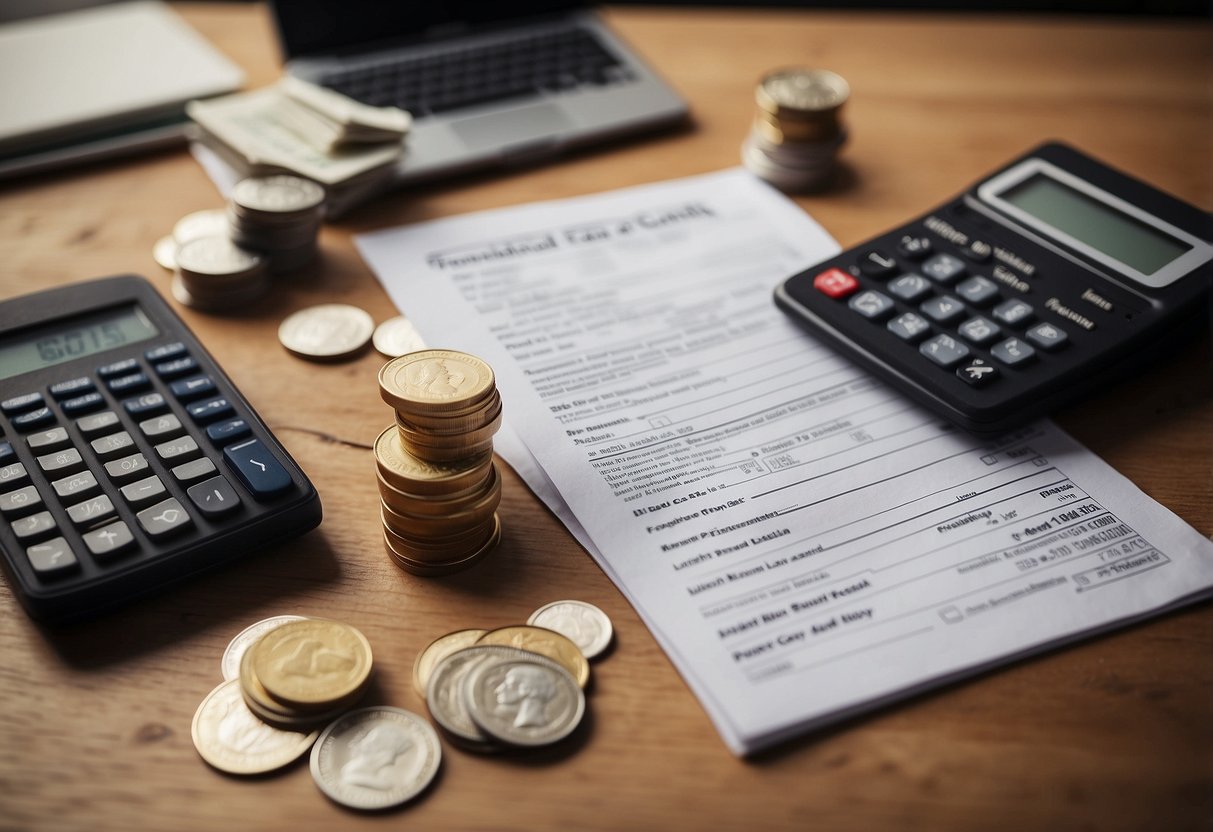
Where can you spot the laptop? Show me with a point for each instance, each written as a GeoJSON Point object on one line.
{"type": "Point", "coordinates": [488, 83]}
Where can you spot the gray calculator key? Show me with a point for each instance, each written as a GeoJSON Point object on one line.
{"type": "Point", "coordinates": [97, 424]}
{"type": "Point", "coordinates": [164, 518]}
{"type": "Point", "coordinates": [1047, 336]}
{"type": "Point", "coordinates": [160, 427]}
{"type": "Point", "coordinates": [1013, 352]}
{"type": "Point", "coordinates": [48, 440]}
{"type": "Point", "coordinates": [1013, 312]}
{"type": "Point", "coordinates": [33, 526]}
{"type": "Point", "coordinates": [52, 557]}
{"type": "Point", "coordinates": [143, 491]}
{"type": "Point", "coordinates": [145, 405]}
{"type": "Point", "coordinates": [72, 387]}
{"type": "Point", "coordinates": [909, 287]}
{"type": "Point", "coordinates": [126, 468]}
{"type": "Point", "coordinates": [909, 327]}
{"type": "Point", "coordinates": [944, 350]}
{"type": "Point", "coordinates": [26, 401]}
{"type": "Point", "coordinates": [872, 305]}
{"type": "Point", "coordinates": [977, 290]}
{"type": "Point", "coordinates": [943, 268]}
{"type": "Point", "coordinates": [109, 540]}
{"type": "Point", "coordinates": [20, 501]}
{"type": "Point", "coordinates": [76, 486]}
{"type": "Point", "coordinates": [942, 309]}
{"type": "Point", "coordinates": [195, 470]}
{"type": "Point", "coordinates": [214, 497]}
{"type": "Point", "coordinates": [979, 330]}
{"type": "Point", "coordinates": [63, 462]}
{"type": "Point", "coordinates": [90, 511]}
{"type": "Point", "coordinates": [112, 445]}
{"type": "Point", "coordinates": [977, 373]}
{"type": "Point", "coordinates": [7, 452]}
{"type": "Point", "coordinates": [13, 475]}
{"type": "Point", "coordinates": [178, 450]}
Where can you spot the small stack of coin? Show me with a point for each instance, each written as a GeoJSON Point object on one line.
{"type": "Point", "coordinates": [439, 485]}
{"type": "Point", "coordinates": [796, 133]}
{"type": "Point", "coordinates": [279, 217]}
{"type": "Point", "coordinates": [213, 274]}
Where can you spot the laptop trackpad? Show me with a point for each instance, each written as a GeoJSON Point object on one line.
{"type": "Point", "coordinates": [513, 126]}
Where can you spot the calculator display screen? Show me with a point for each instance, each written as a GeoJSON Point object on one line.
{"type": "Point", "coordinates": [1125, 239]}
{"type": "Point", "coordinates": [67, 340]}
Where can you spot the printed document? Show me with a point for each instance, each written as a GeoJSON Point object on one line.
{"type": "Point", "coordinates": [804, 543]}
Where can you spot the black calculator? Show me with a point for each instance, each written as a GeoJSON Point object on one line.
{"type": "Point", "coordinates": [1048, 279]}
{"type": "Point", "coordinates": [128, 459]}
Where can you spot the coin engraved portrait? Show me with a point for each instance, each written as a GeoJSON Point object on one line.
{"type": "Point", "coordinates": [437, 377]}
{"type": "Point", "coordinates": [526, 691]}
{"type": "Point", "coordinates": [373, 757]}
{"type": "Point", "coordinates": [312, 657]}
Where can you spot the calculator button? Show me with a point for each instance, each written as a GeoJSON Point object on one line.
{"type": "Point", "coordinates": [875, 263]}
{"type": "Point", "coordinates": [872, 305]}
{"type": "Point", "coordinates": [909, 327]}
{"type": "Point", "coordinates": [835, 283]}
{"type": "Point", "coordinates": [944, 350]}
{"type": "Point", "coordinates": [48, 440]}
{"type": "Point", "coordinates": [34, 526]}
{"type": "Point", "coordinates": [942, 309]}
{"type": "Point", "coordinates": [17, 404]}
{"type": "Point", "coordinates": [1013, 312]}
{"type": "Point", "coordinates": [112, 445]}
{"type": "Point", "coordinates": [97, 424]}
{"type": "Point", "coordinates": [258, 468]}
{"type": "Point", "coordinates": [175, 368]}
{"type": "Point", "coordinates": [209, 410]}
{"type": "Point", "coordinates": [165, 353]}
{"type": "Point", "coordinates": [118, 368]}
{"type": "Point", "coordinates": [196, 470]}
{"type": "Point", "coordinates": [1013, 352]}
{"type": "Point", "coordinates": [82, 404]}
{"type": "Point", "coordinates": [978, 330]}
{"type": "Point", "coordinates": [13, 475]}
{"type": "Point", "coordinates": [129, 384]}
{"type": "Point", "coordinates": [977, 372]}
{"type": "Point", "coordinates": [77, 486]}
{"type": "Point", "coordinates": [913, 247]}
{"type": "Point", "coordinates": [54, 557]}
{"type": "Point", "coordinates": [943, 268]}
{"type": "Point", "coordinates": [977, 290]}
{"type": "Point", "coordinates": [126, 468]}
{"type": "Point", "coordinates": [978, 251]}
{"type": "Point", "coordinates": [223, 432]}
{"type": "Point", "coordinates": [7, 452]}
{"type": "Point", "coordinates": [1047, 337]}
{"type": "Point", "coordinates": [192, 388]}
{"type": "Point", "coordinates": [144, 491]}
{"type": "Point", "coordinates": [178, 450]}
{"type": "Point", "coordinates": [72, 387]}
{"type": "Point", "coordinates": [19, 502]}
{"type": "Point", "coordinates": [148, 405]}
{"type": "Point", "coordinates": [909, 287]}
{"type": "Point", "coordinates": [63, 462]}
{"type": "Point", "coordinates": [109, 540]}
{"type": "Point", "coordinates": [90, 511]}
{"type": "Point", "coordinates": [214, 497]}
{"type": "Point", "coordinates": [34, 419]}
{"type": "Point", "coordinates": [164, 518]}
{"type": "Point", "coordinates": [161, 427]}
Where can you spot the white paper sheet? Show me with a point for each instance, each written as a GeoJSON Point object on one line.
{"type": "Point", "coordinates": [804, 543]}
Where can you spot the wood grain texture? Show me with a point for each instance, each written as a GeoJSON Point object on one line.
{"type": "Point", "coordinates": [1114, 733]}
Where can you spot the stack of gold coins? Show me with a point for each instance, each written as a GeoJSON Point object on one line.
{"type": "Point", "coordinates": [304, 673]}
{"type": "Point", "coordinates": [439, 484]}
{"type": "Point", "coordinates": [797, 132]}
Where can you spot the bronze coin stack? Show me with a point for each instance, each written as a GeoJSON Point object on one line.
{"type": "Point", "coordinates": [439, 485]}
{"type": "Point", "coordinates": [797, 132]}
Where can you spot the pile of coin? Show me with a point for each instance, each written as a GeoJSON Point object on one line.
{"type": "Point", "coordinates": [796, 133]}
{"type": "Point", "coordinates": [515, 686]}
{"type": "Point", "coordinates": [279, 217]}
{"type": "Point", "coordinates": [214, 274]}
{"type": "Point", "coordinates": [439, 485]}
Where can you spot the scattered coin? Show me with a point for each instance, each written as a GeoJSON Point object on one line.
{"type": "Point", "coordinates": [587, 626]}
{"type": "Point", "coordinates": [445, 700]}
{"type": "Point", "coordinates": [165, 253]}
{"type": "Point", "coordinates": [545, 642]}
{"type": "Point", "coordinates": [199, 224]}
{"type": "Point", "coordinates": [522, 698]}
{"type": "Point", "coordinates": [375, 758]}
{"type": "Point", "coordinates": [436, 651]}
{"type": "Point", "coordinates": [245, 638]}
{"type": "Point", "coordinates": [396, 337]}
{"type": "Point", "coordinates": [232, 739]}
{"type": "Point", "coordinates": [312, 663]}
{"type": "Point", "coordinates": [327, 332]}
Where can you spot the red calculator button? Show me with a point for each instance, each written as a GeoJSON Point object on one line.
{"type": "Point", "coordinates": [835, 283]}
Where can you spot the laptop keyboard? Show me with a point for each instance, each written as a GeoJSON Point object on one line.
{"type": "Point", "coordinates": [533, 63]}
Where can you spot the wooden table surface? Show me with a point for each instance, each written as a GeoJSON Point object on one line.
{"type": "Point", "coordinates": [1114, 733]}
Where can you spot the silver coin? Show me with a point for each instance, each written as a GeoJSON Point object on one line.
{"type": "Point", "coordinates": [327, 332]}
{"type": "Point", "coordinates": [277, 194]}
{"type": "Point", "coordinates": [232, 739]}
{"type": "Point", "coordinates": [200, 224]}
{"type": "Point", "coordinates": [230, 665]}
{"type": "Point", "coordinates": [396, 337]}
{"type": "Point", "coordinates": [217, 255]}
{"type": "Point", "coordinates": [376, 757]}
{"type": "Point", "coordinates": [444, 693]}
{"type": "Point", "coordinates": [582, 623]}
{"type": "Point", "coordinates": [523, 699]}
{"type": "Point", "coordinates": [165, 253]}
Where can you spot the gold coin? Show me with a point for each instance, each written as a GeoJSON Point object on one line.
{"type": "Point", "coordinates": [545, 642]}
{"type": "Point", "coordinates": [412, 525]}
{"type": "Point", "coordinates": [311, 663]}
{"type": "Point", "coordinates": [429, 453]}
{"type": "Point", "coordinates": [405, 471]}
{"type": "Point", "coordinates": [433, 381]}
{"type": "Point", "coordinates": [443, 568]}
{"type": "Point", "coordinates": [232, 739]}
{"type": "Point", "coordinates": [474, 436]}
{"type": "Point", "coordinates": [797, 92]}
{"type": "Point", "coordinates": [441, 550]}
{"type": "Point", "coordinates": [430, 506]}
{"type": "Point", "coordinates": [455, 421]}
{"type": "Point", "coordinates": [436, 651]}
